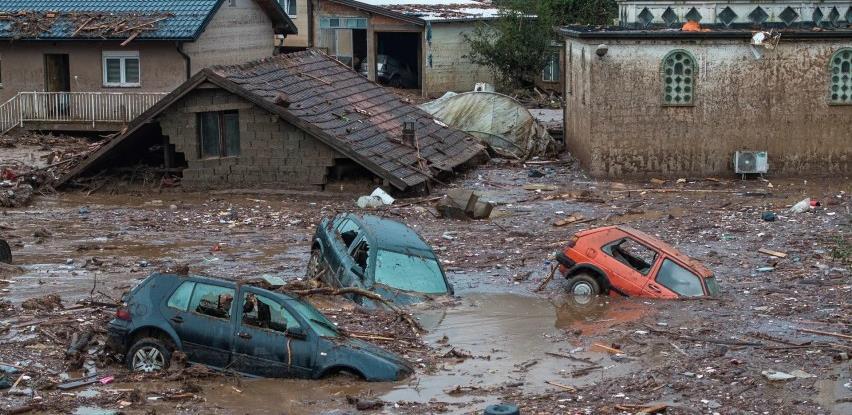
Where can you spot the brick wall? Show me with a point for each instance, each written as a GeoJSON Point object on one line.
{"type": "Point", "coordinates": [272, 151]}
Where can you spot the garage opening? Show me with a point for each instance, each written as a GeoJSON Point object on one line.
{"type": "Point", "coordinates": [398, 59]}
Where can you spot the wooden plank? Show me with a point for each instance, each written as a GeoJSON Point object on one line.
{"type": "Point", "coordinates": [772, 253]}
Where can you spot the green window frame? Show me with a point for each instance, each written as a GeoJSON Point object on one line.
{"type": "Point", "coordinates": [677, 73]}
{"type": "Point", "coordinates": [840, 81]}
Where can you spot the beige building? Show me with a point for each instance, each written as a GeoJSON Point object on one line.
{"type": "Point", "coordinates": [417, 45]}
{"type": "Point", "coordinates": [648, 97]}
{"type": "Point", "coordinates": [100, 66]}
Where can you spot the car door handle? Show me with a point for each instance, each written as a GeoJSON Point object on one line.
{"type": "Point", "coordinates": [654, 287]}
{"type": "Point", "coordinates": [244, 335]}
{"type": "Point", "coordinates": [177, 319]}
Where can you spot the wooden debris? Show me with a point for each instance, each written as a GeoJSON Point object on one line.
{"type": "Point", "coordinates": [545, 281]}
{"type": "Point", "coordinates": [772, 253]}
{"type": "Point", "coordinates": [559, 385]}
{"type": "Point", "coordinates": [607, 349]}
{"type": "Point", "coordinates": [826, 333]}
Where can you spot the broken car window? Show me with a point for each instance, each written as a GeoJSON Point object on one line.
{"type": "Point", "coordinates": [347, 231]}
{"type": "Point", "coordinates": [712, 286]}
{"type": "Point", "coordinates": [679, 280]}
{"type": "Point", "coordinates": [360, 253]}
{"type": "Point", "coordinates": [409, 272]}
{"type": "Point", "coordinates": [633, 254]}
{"type": "Point", "coordinates": [180, 298]}
{"type": "Point", "coordinates": [316, 320]}
{"type": "Point", "coordinates": [212, 300]}
{"type": "Point", "coordinates": [265, 313]}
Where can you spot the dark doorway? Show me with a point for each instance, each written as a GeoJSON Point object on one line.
{"type": "Point", "coordinates": [57, 77]}
{"type": "Point", "coordinates": [359, 48]}
{"type": "Point", "coordinates": [398, 58]}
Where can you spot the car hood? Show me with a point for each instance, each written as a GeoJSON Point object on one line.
{"type": "Point", "coordinates": [371, 360]}
{"type": "Point", "coordinates": [397, 296]}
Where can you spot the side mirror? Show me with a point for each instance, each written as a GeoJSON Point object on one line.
{"type": "Point", "coordinates": [296, 333]}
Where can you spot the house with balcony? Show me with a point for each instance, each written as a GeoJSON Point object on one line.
{"type": "Point", "coordinates": [94, 65]}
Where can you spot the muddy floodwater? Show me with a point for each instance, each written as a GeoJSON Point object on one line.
{"type": "Point", "coordinates": [499, 339]}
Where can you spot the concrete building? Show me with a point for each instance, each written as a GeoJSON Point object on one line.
{"type": "Point", "coordinates": [651, 96]}
{"type": "Point", "coordinates": [419, 42]}
{"type": "Point", "coordinates": [300, 120]}
{"type": "Point", "coordinates": [96, 64]}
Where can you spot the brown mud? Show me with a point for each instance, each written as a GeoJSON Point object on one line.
{"type": "Point", "coordinates": [498, 340]}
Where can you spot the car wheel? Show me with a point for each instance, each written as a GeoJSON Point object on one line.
{"type": "Point", "coordinates": [395, 81]}
{"type": "Point", "coordinates": [584, 285]}
{"type": "Point", "coordinates": [314, 268]}
{"type": "Point", "coordinates": [5, 252]}
{"type": "Point", "coordinates": [149, 355]}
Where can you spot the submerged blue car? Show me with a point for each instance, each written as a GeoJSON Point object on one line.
{"type": "Point", "coordinates": [376, 254]}
{"type": "Point", "coordinates": [241, 327]}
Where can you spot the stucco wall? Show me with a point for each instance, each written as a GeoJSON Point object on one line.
{"type": "Point", "coordinates": [450, 69]}
{"type": "Point", "coordinates": [301, 19]}
{"type": "Point", "coordinates": [617, 125]}
{"type": "Point", "coordinates": [161, 67]}
{"type": "Point", "coordinates": [272, 151]}
{"type": "Point", "coordinates": [235, 34]}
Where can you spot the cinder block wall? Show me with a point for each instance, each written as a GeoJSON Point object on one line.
{"type": "Point", "coordinates": [272, 151]}
{"type": "Point", "coordinates": [617, 126]}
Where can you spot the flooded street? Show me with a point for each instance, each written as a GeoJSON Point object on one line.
{"type": "Point", "coordinates": [498, 339]}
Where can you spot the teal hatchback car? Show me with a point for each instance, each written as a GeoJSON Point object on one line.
{"type": "Point", "coordinates": [376, 254]}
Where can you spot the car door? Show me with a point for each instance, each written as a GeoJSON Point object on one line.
{"type": "Point", "coordinates": [673, 280]}
{"type": "Point", "coordinates": [338, 250]}
{"type": "Point", "coordinates": [630, 263]}
{"type": "Point", "coordinates": [203, 322]}
{"type": "Point", "coordinates": [264, 343]}
{"type": "Point", "coordinates": [353, 267]}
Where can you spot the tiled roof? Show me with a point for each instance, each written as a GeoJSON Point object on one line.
{"type": "Point", "coordinates": [364, 119]}
{"type": "Point", "coordinates": [185, 19]}
{"type": "Point", "coordinates": [334, 104]}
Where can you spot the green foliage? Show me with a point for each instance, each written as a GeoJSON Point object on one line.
{"type": "Point", "coordinates": [517, 45]}
{"type": "Point", "coordinates": [842, 250]}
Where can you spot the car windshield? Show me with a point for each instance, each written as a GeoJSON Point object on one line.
{"type": "Point", "coordinates": [316, 320]}
{"type": "Point", "coordinates": [679, 279]}
{"type": "Point", "coordinates": [712, 286]}
{"type": "Point", "coordinates": [409, 272]}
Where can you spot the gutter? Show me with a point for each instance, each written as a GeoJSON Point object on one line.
{"type": "Point", "coordinates": [676, 34]}
{"type": "Point", "coordinates": [186, 58]}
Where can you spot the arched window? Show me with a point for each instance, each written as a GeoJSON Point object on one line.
{"type": "Point", "coordinates": [678, 75]}
{"type": "Point", "coordinates": [841, 77]}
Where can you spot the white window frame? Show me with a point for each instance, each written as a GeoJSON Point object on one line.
{"type": "Point", "coordinates": [122, 56]}
{"type": "Point", "coordinates": [285, 4]}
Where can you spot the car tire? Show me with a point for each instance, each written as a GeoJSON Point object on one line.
{"type": "Point", "coordinates": [314, 265]}
{"type": "Point", "coordinates": [395, 82]}
{"type": "Point", "coordinates": [149, 354]}
{"type": "Point", "coordinates": [584, 285]}
{"type": "Point", "coordinates": [5, 252]}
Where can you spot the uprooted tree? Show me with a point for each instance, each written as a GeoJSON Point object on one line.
{"type": "Point", "coordinates": [517, 45]}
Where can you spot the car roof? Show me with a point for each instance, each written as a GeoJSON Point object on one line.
{"type": "Point", "coordinates": [656, 242]}
{"type": "Point", "coordinates": [215, 280]}
{"type": "Point", "coordinates": [390, 234]}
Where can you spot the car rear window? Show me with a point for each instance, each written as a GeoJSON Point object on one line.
{"type": "Point", "coordinates": [679, 280]}
{"type": "Point", "coordinates": [180, 298]}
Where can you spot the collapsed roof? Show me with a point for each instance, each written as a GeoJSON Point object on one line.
{"type": "Point", "coordinates": [336, 105]}
{"type": "Point", "coordinates": [118, 19]}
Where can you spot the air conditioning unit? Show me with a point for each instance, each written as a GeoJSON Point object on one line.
{"type": "Point", "coordinates": [751, 162]}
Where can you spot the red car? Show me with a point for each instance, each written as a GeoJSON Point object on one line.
{"type": "Point", "coordinates": [620, 260]}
